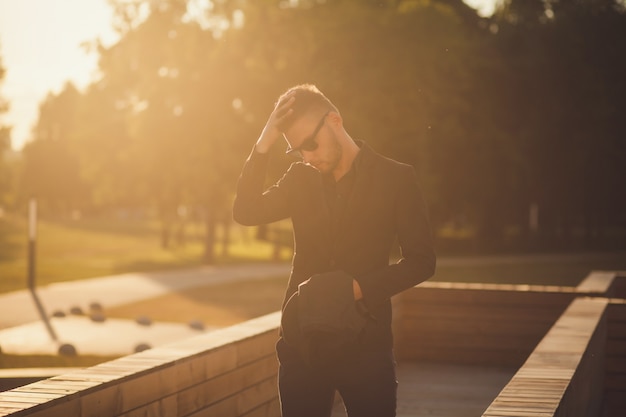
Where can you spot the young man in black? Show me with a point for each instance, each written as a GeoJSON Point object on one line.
{"type": "Point", "coordinates": [348, 205]}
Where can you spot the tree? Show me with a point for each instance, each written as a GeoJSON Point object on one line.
{"type": "Point", "coordinates": [419, 69]}
{"type": "Point", "coordinates": [5, 145]}
{"type": "Point", "coordinates": [50, 170]}
{"type": "Point", "coordinates": [570, 85]}
{"type": "Point", "coordinates": [179, 95]}
{"type": "Point", "coordinates": [497, 115]}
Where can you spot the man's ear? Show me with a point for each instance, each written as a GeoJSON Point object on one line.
{"type": "Point", "coordinates": [335, 119]}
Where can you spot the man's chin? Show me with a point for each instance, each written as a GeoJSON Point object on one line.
{"type": "Point", "coordinates": [322, 167]}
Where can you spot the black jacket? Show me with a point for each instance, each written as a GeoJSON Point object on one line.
{"type": "Point", "coordinates": [385, 205]}
{"type": "Point", "coordinates": [321, 320]}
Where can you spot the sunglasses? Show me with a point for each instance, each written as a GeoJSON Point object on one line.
{"type": "Point", "coordinates": [309, 144]}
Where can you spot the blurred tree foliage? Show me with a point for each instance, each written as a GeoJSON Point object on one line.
{"type": "Point", "coordinates": [521, 112]}
{"type": "Point", "coordinates": [5, 144]}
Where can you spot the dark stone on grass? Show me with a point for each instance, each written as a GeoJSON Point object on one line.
{"type": "Point", "coordinates": [77, 311]}
{"type": "Point", "coordinates": [141, 347]}
{"type": "Point", "coordinates": [58, 313]}
{"type": "Point", "coordinates": [67, 349]}
{"type": "Point", "coordinates": [196, 325]}
{"type": "Point", "coordinates": [144, 320]}
{"type": "Point", "coordinates": [95, 306]}
{"type": "Point", "coordinates": [97, 317]}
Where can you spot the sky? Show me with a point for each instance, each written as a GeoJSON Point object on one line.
{"type": "Point", "coordinates": [40, 49]}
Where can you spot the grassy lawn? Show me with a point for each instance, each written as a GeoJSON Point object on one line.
{"type": "Point", "coordinates": [214, 305]}
{"type": "Point", "coordinates": [545, 270]}
{"type": "Point", "coordinates": [70, 250]}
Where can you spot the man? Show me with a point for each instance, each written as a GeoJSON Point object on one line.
{"type": "Point", "coordinates": [348, 206]}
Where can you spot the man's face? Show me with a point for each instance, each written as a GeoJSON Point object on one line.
{"type": "Point", "coordinates": [312, 139]}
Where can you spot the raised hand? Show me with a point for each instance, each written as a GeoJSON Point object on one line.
{"type": "Point", "coordinates": [272, 132]}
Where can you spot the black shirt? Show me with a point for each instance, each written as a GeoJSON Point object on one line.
{"type": "Point", "coordinates": [338, 192]}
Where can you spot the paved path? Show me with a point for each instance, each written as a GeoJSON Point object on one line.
{"type": "Point", "coordinates": [23, 332]}
{"type": "Point", "coordinates": [18, 307]}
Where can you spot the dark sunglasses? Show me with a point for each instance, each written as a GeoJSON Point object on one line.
{"type": "Point", "coordinates": [309, 144]}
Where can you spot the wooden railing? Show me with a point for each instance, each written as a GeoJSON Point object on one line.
{"type": "Point", "coordinates": [615, 361]}
{"type": "Point", "coordinates": [564, 374]}
{"type": "Point", "coordinates": [568, 342]}
{"type": "Point", "coordinates": [228, 372]}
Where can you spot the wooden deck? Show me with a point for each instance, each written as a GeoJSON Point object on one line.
{"type": "Point", "coordinates": [428, 389]}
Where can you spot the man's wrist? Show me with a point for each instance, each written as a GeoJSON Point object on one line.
{"type": "Point", "coordinates": [260, 147]}
{"type": "Point", "coordinates": [356, 289]}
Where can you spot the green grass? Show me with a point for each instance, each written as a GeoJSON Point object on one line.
{"type": "Point", "coordinates": [71, 250]}
{"type": "Point", "coordinates": [215, 305]}
{"type": "Point", "coordinates": [547, 270]}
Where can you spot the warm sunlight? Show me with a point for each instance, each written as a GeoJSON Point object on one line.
{"type": "Point", "coordinates": [448, 240]}
{"type": "Point", "coordinates": [40, 46]}
{"type": "Point", "coordinates": [40, 49]}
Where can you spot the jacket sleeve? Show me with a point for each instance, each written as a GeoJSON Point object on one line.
{"type": "Point", "coordinates": [252, 205]}
{"type": "Point", "coordinates": [418, 259]}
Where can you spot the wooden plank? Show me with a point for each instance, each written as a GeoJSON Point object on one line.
{"type": "Point", "coordinates": [223, 408]}
{"type": "Point", "coordinates": [103, 402]}
{"type": "Point", "coordinates": [458, 343]}
{"type": "Point", "coordinates": [256, 395]}
{"type": "Point", "coordinates": [144, 389]}
{"type": "Point", "coordinates": [615, 381]}
{"type": "Point", "coordinates": [220, 361]}
{"type": "Point", "coordinates": [164, 407]}
{"type": "Point", "coordinates": [596, 283]}
{"type": "Point", "coordinates": [488, 297]}
{"type": "Point", "coordinates": [6, 410]}
{"type": "Point", "coordinates": [614, 403]}
{"type": "Point", "coordinates": [17, 405]}
{"type": "Point", "coordinates": [216, 389]}
{"type": "Point", "coordinates": [37, 388]}
{"type": "Point", "coordinates": [257, 347]}
{"type": "Point", "coordinates": [467, 325]}
{"type": "Point", "coordinates": [268, 409]}
{"type": "Point", "coordinates": [13, 395]}
{"type": "Point", "coordinates": [484, 314]}
{"type": "Point", "coordinates": [193, 370]}
{"type": "Point", "coordinates": [57, 409]}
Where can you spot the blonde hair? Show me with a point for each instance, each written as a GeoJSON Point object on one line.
{"type": "Point", "coordinates": [308, 99]}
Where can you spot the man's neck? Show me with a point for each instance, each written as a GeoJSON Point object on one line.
{"type": "Point", "coordinates": [350, 151]}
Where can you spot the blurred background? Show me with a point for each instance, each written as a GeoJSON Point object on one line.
{"type": "Point", "coordinates": [511, 111]}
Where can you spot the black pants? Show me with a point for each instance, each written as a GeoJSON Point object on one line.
{"type": "Point", "coordinates": [366, 382]}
